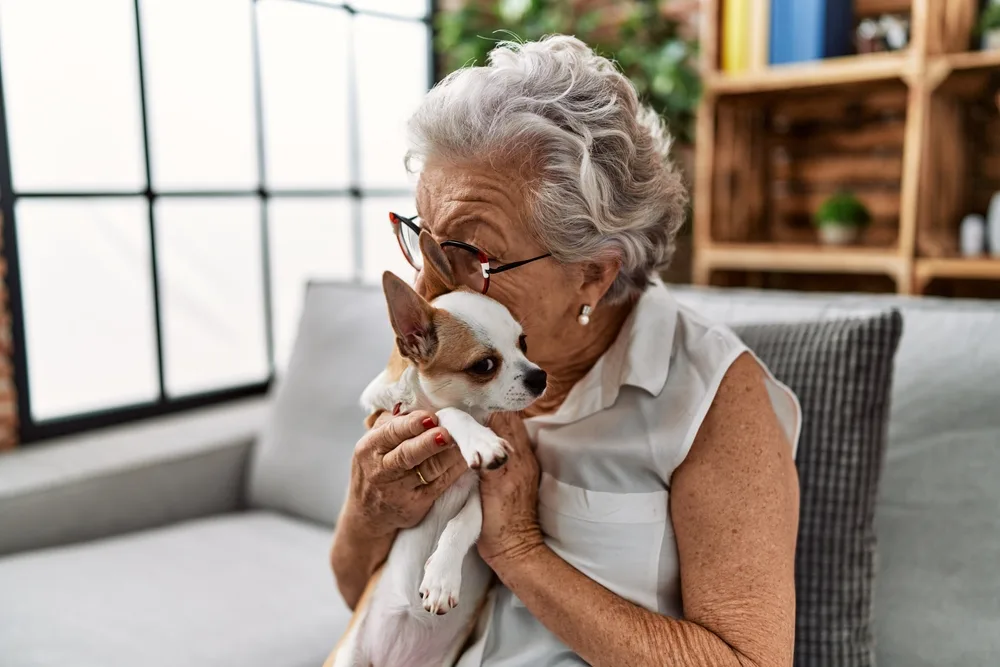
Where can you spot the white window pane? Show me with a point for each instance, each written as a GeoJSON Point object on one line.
{"type": "Point", "coordinates": [411, 8]}
{"type": "Point", "coordinates": [311, 239]}
{"type": "Point", "coordinates": [392, 79]}
{"type": "Point", "coordinates": [72, 93]}
{"type": "Point", "coordinates": [198, 58]}
{"type": "Point", "coordinates": [381, 250]}
{"type": "Point", "coordinates": [303, 52]}
{"type": "Point", "coordinates": [211, 287]}
{"type": "Point", "coordinates": [86, 282]}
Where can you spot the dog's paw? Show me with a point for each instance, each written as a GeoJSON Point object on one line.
{"type": "Point", "coordinates": [442, 581]}
{"type": "Point", "coordinates": [486, 450]}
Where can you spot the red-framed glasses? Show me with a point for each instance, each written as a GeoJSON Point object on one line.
{"type": "Point", "coordinates": [471, 265]}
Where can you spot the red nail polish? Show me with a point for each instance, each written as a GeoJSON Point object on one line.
{"type": "Point", "coordinates": [439, 439]}
{"type": "Point", "coordinates": [428, 423]}
{"type": "Point", "coordinates": [396, 408]}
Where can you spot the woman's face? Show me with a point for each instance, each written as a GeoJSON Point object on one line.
{"type": "Point", "coordinates": [487, 208]}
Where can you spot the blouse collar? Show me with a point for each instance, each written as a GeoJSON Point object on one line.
{"type": "Point", "coordinates": [639, 357]}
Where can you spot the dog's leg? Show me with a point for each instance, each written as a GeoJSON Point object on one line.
{"type": "Point", "coordinates": [443, 570]}
{"type": "Point", "coordinates": [481, 447]}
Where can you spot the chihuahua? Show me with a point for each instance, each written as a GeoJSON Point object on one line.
{"type": "Point", "coordinates": [461, 355]}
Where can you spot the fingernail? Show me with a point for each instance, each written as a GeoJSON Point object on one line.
{"type": "Point", "coordinates": [396, 408]}
{"type": "Point", "coordinates": [439, 439]}
{"type": "Point", "coordinates": [428, 423]}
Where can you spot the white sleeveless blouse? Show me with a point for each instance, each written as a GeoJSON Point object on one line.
{"type": "Point", "coordinates": [607, 456]}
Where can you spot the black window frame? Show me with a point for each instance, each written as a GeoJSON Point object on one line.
{"type": "Point", "coordinates": [32, 431]}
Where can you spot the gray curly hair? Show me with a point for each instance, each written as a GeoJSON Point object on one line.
{"type": "Point", "coordinates": [602, 186]}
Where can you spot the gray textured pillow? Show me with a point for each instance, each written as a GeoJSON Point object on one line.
{"type": "Point", "coordinates": [841, 371]}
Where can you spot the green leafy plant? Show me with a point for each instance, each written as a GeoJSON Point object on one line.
{"type": "Point", "coordinates": [990, 18]}
{"type": "Point", "coordinates": [842, 209]}
{"type": "Point", "coordinates": [649, 47]}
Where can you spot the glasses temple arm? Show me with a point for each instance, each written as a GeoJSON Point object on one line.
{"type": "Point", "coordinates": [514, 265]}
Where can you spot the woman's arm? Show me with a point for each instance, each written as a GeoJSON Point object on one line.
{"type": "Point", "coordinates": [356, 553]}
{"type": "Point", "coordinates": [734, 505]}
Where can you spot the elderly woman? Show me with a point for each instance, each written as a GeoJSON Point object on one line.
{"type": "Point", "coordinates": [648, 514]}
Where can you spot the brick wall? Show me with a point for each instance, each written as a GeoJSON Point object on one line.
{"type": "Point", "coordinates": [8, 394]}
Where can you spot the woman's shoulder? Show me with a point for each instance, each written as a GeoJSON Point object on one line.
{"type": "Point", "coordinates": [703, 352]}
{"type": "Point", "coordinates": [706, 345]}
{"type": "Point", "coordinates": [669, 343]}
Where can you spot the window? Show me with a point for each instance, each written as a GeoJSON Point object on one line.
{"type": "Point", "coordinates": [173, 172]}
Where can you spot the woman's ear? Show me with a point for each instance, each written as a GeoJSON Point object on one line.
{"type": "Point", "coordinates": [597, 280]}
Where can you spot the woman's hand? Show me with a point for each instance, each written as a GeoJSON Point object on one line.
{"type": "Point", "coordinates": [510, 498]}
{"type": "Point", "coordinates": [386, 492]}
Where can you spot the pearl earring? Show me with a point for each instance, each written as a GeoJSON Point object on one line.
{"type": "Point", "coordinates": [584, 317]}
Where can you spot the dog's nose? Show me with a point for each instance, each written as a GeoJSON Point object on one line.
{"type": "Point", "coordinates": [535, 380]}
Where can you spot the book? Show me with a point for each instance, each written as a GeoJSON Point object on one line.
{"type": "Point", "coordinates": [760, 34]}
{"type": "Point", "coordinates": [736, 35]}
{"type": "Point", "coordinates": [804, 30]}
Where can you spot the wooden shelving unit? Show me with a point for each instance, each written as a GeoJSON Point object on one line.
{"type": "Point", "coordinates": [910, 132]}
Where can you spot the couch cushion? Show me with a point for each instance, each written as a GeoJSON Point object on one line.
{"type": "Point", "coordinates": [841, 371]}
{"type": "Point", "coordinates": [139, 475]}
{"type": "Point", "coordinates": [302, 461]}
{"type": "Point", "coordinates": [937, 594]}
{"type": "Point", "coordinates": [238, 589]}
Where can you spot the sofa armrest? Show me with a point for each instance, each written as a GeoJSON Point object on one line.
{"type": "Point", "coordinates": [127, 478]}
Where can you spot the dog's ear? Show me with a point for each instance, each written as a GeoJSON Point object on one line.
{"type": "Point", "coordinates": [437, 276]}
{"type": "Point", "coordinates": [412, 319]}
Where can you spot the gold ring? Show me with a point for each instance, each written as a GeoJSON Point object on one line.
{"type": "Point", "coordinates": [422, 480]}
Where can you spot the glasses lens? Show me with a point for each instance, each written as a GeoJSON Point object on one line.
{"type": "Point", "coordinates": [465, 264]}
{"type": "Point", "coordinates": [409, 241]}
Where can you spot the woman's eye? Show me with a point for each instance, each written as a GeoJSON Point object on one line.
{"type": "Point", "coordinates": [522, 343]}
{"type": "Point", "coordinates": [483, 366]}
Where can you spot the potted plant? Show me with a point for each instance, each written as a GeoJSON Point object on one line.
{"type": "Point", "coordinates": [989, 26]}
{"type": "Point", "coordinates": [841, 219]}
{"type": "Point", "coordinates": [652, 47]}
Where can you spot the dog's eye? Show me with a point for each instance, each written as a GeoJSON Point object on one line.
{"type": "Point", "coordinates": [522, 343]}
{"type": "Point", "coordinates": [484, 366]}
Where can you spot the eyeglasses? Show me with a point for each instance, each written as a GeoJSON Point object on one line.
{"type": "Point", "coordinates": [472, 266]}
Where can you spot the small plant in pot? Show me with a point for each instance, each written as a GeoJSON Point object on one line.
{"type": "Point", "coordinates": [989, 26]}
{"type": "Point", "coordinates": [841, 219]}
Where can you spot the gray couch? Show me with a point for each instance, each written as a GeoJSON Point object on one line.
{"type": "Point", "coordinates": [202, 539]}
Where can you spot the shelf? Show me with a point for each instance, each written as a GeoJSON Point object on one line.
{"type": "Point", "coordinates": [841, 71]}
{"type": "Point", "coordinates": [971, 60]}
{"type": "Point", "coordinates": [830, 72]}
{"type": "Point", "coordinates": [802, 258]}
{"type": "Point", "coordinates": [982, 268]}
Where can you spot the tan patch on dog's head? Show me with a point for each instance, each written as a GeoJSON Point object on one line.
{"type": "Point", "coordinates": [459, 350]}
